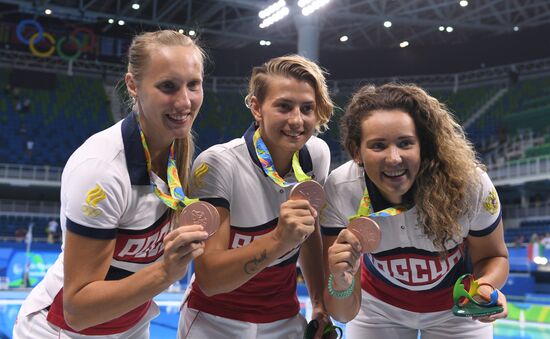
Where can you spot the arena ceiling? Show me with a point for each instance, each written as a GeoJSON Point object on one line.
{"type": "Point", "coordinates": [231, 29]}
{"type": "Point", "coordinates": [233, 24]}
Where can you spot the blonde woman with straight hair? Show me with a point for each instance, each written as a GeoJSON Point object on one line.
{"type": "Point", "coordinates": [121, 246]}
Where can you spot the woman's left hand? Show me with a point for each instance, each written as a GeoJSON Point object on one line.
{"type": "Point", "coordinates": [486, 292]}
{"type": "Point", "coordinates": [323, 320]}
{"type": "Point", "coordinates": [182, 245]}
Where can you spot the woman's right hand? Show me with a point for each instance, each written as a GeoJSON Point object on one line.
{"type": "Point", "coordinates": [344, 259]}
{"type": "Point", "coordinates": [296, 223]}
{"type": "Point", "coordinates": [182, 245]}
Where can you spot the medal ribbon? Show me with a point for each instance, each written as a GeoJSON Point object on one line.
{"type": "Point", "coordinates": [365, 209]}
{"type": "Point", "coordinates": [269, 168]}
{"type": "Point", "coordinates": [176, 199]}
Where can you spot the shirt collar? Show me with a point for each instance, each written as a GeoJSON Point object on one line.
{"type": "Point", "coordinates": [303, 155]}
{"type": "Point", "coordinates": [378, 201]}
{"type": "Point", "coordinates": [133, 150]}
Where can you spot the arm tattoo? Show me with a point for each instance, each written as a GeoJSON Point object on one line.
{"type": "Point", "coordinates": [251, 267]}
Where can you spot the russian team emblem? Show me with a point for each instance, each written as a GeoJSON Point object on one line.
{"type": "Point", "coordinates": [491, 202]}
{"type": "Point", "coordinates": [93, 197]}
{"type": "Point", "coordinates": [199, 173]}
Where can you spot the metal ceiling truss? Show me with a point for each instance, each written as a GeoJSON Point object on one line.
{"type": "Point", "coordinates": [234, 23]}
{"type": "Point", "coordinates": [418, 21]}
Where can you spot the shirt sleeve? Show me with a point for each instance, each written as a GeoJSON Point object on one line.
{"type": "Point", "coordinates": [212, 177]}
{"type": "Point", "coordinates": [332, 219]}
{"type": "Point", "coordinates": [487, 209]}
{"type": "Point", "coordinates": [94, 199]}
{"type": "Point", "coordinates": [320, 156]}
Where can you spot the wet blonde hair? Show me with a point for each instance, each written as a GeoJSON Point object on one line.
{"type": "Point", "coordinates": [447, 177]}
{"type": "Point", "coordinates": [300, 68]}
{"type": "Point", "coordinates": [138, 58]}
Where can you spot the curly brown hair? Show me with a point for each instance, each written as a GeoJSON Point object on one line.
{"type": "Point", "coordinates": [447, 177]}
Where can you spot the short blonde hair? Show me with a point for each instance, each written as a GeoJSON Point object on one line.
{"type": "Point", "coordinates": [300, 68]}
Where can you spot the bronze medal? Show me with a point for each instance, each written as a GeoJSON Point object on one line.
{"type": "Point", "coordinates": [367, 231]}
{"type": "Point", "coordinates": [201, 213]}
{"type": "Point", "coordinates": [310, 190]}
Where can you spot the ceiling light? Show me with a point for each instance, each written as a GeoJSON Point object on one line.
{"type": "Point", "coordinates": [310, 6]}
{"type": "Point", "coordinates": [463, 3]}
{"type": "Point", "coordinates": [181, 31]}
{"type": "Point", "coordinates": [135, 6]}
{"type": "Point", "coordinates": [270, 20]}
{"type": "Point", "coordinates": [449, 29]}
{"type": "Point", "coordinates": [441, 28]}
{"type": "Point", "coordinates": [110, 21]}
{"type": "Point", "coordinates": [271, 9]}
{"type": "Point", "coordinates": [121, 22]}
{"type": "Point", "coordinates": [344, 38]}
{"type": "Point", "coordinates": [48, 11]}
{"type": "Point", "coordinates": [387, 24]}
{"type": "Point", "coordinates": [404, 44]}
{"type": "Point", "coordinates": [516, 28]}
{"type": "Point", "coordinates": [192, 32]}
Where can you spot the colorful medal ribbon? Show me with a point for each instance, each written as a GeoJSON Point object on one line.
{"type": "Point", "coordinates": [365, 209]}
{"type": "Point", "coordinates": [176, 199]}
{"type": "Point", "coordinates": [267, 163]}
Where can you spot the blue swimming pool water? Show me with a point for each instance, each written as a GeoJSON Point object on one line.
{"type": "Point", "coordinates": [165, 325]}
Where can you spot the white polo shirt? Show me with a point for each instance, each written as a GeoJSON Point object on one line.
{"type": "Point", "coordinates": [106, 194]}
{"type": "Point", "coordinates": [406, 270]}
{"type": "Point", "coordinates": [229, 175]}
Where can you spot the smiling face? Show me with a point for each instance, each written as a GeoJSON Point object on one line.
{"type": "Point", "coordinates": [287, 116]}
{"type": "Point", "coordinates": [169, 93]}
{"type": "Point", "coordinates": [390, 152]}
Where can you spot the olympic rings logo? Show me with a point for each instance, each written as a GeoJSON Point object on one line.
{"type": "Point", "coordinates": [58, 45]}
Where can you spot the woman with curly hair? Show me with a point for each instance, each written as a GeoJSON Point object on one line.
{"type": "Point", "coordinates": [414, 173]}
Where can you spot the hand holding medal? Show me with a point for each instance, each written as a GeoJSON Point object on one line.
{"type": "Point", "coordinates": [201, 213]}
{"type": "Point", "coordinates": [365, 228]}
{"type": "Point", "coordinates": [311, 191]}
{"type": "Point", "coordinates": [367, 232]}
{"type": "Point", "coordinates": [305, 189]}
{"type": "Point", "coordinates": [343, 261]}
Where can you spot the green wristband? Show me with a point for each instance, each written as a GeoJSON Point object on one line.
{"type": "Point", "coordinates": [340, 294]}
